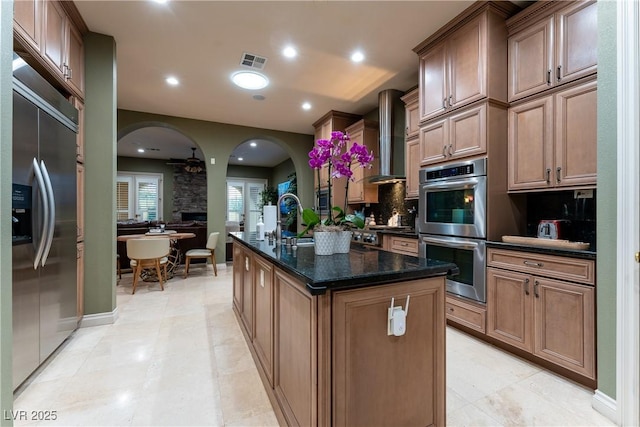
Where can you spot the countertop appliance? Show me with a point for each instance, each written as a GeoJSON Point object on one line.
{"type": "Point", "coordinates": [45, 125]}
{"type": "Point", "coordinates": [452, 222]}
{"type": "Point", "coordinates": [552, 228]}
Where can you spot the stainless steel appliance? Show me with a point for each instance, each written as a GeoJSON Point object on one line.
{"type": "Point", "coordinates": [453, 199]}
{"type": "Point", "coordinates": [453, 222]}
{"type": "Point", "coordinates": [44, 220]}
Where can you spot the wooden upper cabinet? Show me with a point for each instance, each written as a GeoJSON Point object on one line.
{"type": "Point", "coordinates": [412, 168]}
{"type": "Point", "coordinates": [332, 121]}
{"type": "Point", "coordinates": [576, 135]}
{"type": "Point", "coordinates": [412, 143]}
{"type": "Point", "coordinates": [465, 61]}
{"type": "Point", "coordinates": [363, 132]}
{"type": "Point", "coordinates": [412, 113]}
{"type": "Point", "coordinates": [461, 134]}
{"type": "Point", "coordinates": [27, 21]}
{"type": "Point", "coordinates": [46, 32]}
{"type": "Point", "coordinates": [559, 48]}
{"type": "Point", "coordinates": [55, 27]}
{"type": "Point", "coordinates": [75, 59]}
{"type": "Point", "coordinates": [553, 140]}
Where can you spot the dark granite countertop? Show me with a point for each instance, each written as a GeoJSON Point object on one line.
{"type": "Point", "coordinates": [572, 253]}
{"type": "Point", "coordinates": [361, 267]}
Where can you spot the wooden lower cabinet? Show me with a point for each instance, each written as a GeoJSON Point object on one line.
{"type": "Point", "coordinates": [550, 318]}
{"type": "Point", "coordinates": [263, 314]}
{"type": "Point", "coordinates": [400, 245]}
{"type": "Point", "coordinates": [466, 313]}
{"type": "Point", "coordinates": [242, 285]}
{"type": "Point", "coordinates": [387, 380]}
{"type": "Point", "coordinates": [328, 360]}
{"type": "Point", "coordinates": [296, 363]}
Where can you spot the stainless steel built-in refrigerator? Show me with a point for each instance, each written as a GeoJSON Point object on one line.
{"type": "Point", "coordinates": [44, 220]}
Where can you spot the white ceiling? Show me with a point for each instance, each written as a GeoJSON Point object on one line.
{"type": "Point", "coordinates": [201, 43]}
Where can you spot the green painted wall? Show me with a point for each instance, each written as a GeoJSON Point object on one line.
{"type": "Point", "coordinates": [218, 140]}
{"type": "Point", "coordinates": [6, 114]}
{"type": "Point", "coordinates": [100, 176]}
{"type": "Point", "coordinates": [282, 171]}
{"type": "Point", "coordinates": [235, 171]}
{"type": "Point", "coordinates": [606, 204]}
{"type": "Point", "coordinates": [133, 164]}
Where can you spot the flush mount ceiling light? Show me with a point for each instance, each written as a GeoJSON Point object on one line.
{"type": "Point", "coordinates": [193, 164]}
{"type": "Point", "coordinates": [306, 106]}
{"type": "Point", "coordinates": [250, 80]}
{"type": "Point", "coordinates": [172, 81]}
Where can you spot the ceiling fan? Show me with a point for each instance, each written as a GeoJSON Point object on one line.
{"type": "Point", "coordinates": [191, 164]}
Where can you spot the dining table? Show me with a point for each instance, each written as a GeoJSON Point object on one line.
{"type": "Point", "coordinates": [174, 257]}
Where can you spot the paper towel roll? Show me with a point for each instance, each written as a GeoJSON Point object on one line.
{"type": "Point", "coordinates": [270, 218]}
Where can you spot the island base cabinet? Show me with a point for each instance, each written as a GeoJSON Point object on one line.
{"type": "Point", "coordinates": [381, 379]}
{"type": "Point", "coordinates": [296, 363]}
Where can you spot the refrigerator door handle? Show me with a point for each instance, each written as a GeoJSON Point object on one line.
{"type": "Point", "coordinates": [45, 211]}
{"type": "Point", "coordinates": [51, 224]}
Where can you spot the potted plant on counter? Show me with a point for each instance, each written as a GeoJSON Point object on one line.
{"type": "Point", "coordinates": [339, 156]}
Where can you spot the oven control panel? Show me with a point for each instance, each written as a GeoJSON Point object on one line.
{"type": "Point", "coordinates": [366, 237]}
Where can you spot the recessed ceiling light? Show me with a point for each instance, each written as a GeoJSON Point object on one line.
{"type": "Point", "coordinates": [253, 144]}
{"type": "Point", "coordinates": [306, 106]}
{"type": "Point", "coordinates": [357, 56]}
{"type": "Point", "coordinates": [240, 159]}
{"type": "Point", "coordinates": [160, 1]}
{"type": "Point", "coordinates": [249, 80]}
{"type": "Point", "coordinates": [140, 150]}
{"type": "Point", "coordinates": [290, 52]}
{"type": "Point", "coordinates": [172, 81]}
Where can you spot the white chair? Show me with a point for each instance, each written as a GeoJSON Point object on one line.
{"type": "Point", "coordinates": [209, 252]}
{"type": "Point", "coordinates": [148, 253]}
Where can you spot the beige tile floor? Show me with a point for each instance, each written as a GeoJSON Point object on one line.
{"type": "Point", "coordinates": [178, 357]}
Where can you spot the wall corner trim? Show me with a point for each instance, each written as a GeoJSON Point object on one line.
{"type": "Point", "coordinates": [605, 405]}
{"type": "Point", "coordinates": [99, 319]}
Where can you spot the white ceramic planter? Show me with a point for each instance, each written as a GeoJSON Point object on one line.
{"type": "Point", "coordinates": [342, 242]}
{"type": "Point", "coordinates": [324, 242]}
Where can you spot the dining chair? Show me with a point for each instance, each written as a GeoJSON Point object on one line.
{"type": "Point", "coordinates": [209, 252]}
{"type": "Point", "coordinates": [148, 253]}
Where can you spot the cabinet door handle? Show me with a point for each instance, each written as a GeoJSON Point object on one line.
{"type": "Point", "coordinates": [450, 309]}
{"type": "Point", "coordinates": [535, 289]}
{"type": "Point", "coordinates": [548, 176]}
{"type": "Point", "coordinates": [533, 264]}
{"type": "Point", "coordinates": [450, 99]}
{"type": "Point", "coordinates": [450, 150]}
{"type": "Point", "coordinates": [70, 73]}
{"type": "Point", "coordinates": [548, 77]}
{"type": "Point", "coordinates": [526, 286]}
{"type": "Point", "coordinates": [444, 103]}
{"type": "Point", "coordinates": [444, 151]}
{"type": "Point", "coordinates": [558, 73]}
{"type": "Point", "coordinates": [558, 170]}
{"type": "Point", "coordinates": [406, 130]}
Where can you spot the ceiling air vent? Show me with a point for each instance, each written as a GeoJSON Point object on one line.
{"type": "Point", "coordinates": [253, 61]}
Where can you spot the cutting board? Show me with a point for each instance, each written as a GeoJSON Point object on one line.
{"type": "Point", "coordinates": [547, 243]}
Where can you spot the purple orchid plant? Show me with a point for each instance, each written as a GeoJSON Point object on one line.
{"type": "Point", "coordinates": [340, 157]}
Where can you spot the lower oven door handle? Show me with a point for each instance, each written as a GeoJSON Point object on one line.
{"type": "Point", "coordinates": [452, 184]}
{"type": "Point", "coordinates": [450, 243]}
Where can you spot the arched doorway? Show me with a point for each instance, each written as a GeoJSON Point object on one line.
{"type": "Point", "coordinates": [158, 157]}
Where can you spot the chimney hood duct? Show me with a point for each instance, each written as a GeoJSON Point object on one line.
{"type": "Point", "coordinates": [391, 148]}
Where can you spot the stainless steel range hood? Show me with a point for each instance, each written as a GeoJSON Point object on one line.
{"type": "Point", "coordinates": [391, 148]}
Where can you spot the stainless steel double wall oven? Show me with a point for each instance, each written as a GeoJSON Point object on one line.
{"type": "Point", "coordinates": [452, 222]}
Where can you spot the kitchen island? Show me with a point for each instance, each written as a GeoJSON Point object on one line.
{"type": "Point", "coordinates": [317, 327]}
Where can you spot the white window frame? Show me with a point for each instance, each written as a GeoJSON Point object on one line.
{"type": "Point", "coordinates": [132, 178]}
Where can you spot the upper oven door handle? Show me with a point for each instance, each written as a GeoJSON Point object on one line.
{"type": "Point", "coordinates": [458, 244]}
{"type": "Point", "coordinates": [453, 183]}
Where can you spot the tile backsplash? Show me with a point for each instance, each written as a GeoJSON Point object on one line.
{"type": "Point", "coordinates": [581, 214]}
{"type": "Point", "coordinates": [391, 196]}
